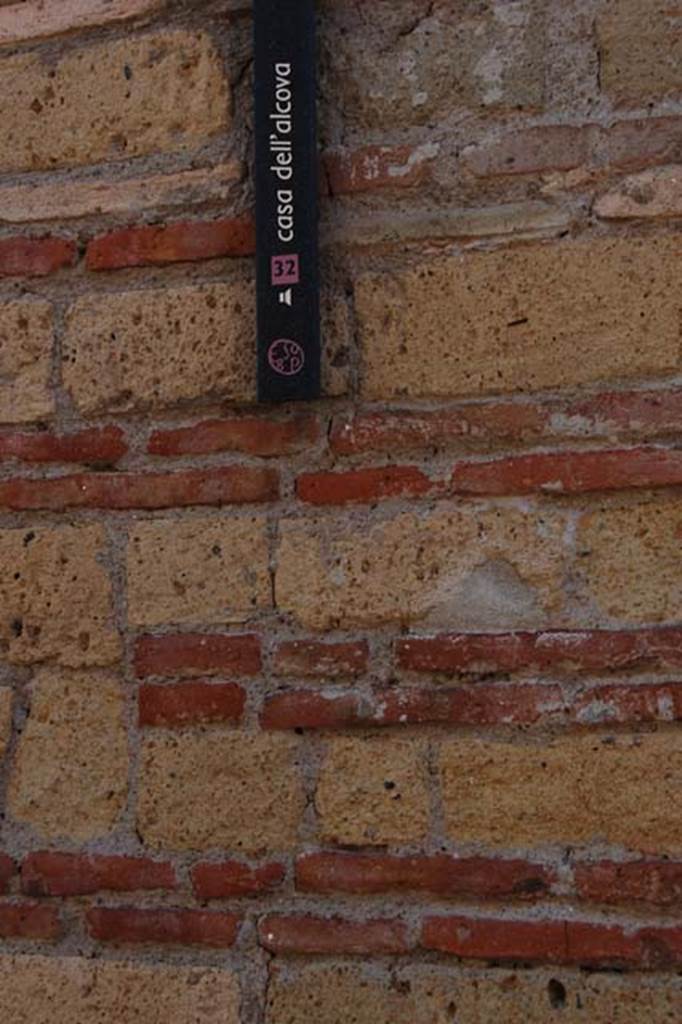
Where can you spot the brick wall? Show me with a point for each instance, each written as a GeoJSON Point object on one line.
{"type": "Point", "coordinates": [366, 710]}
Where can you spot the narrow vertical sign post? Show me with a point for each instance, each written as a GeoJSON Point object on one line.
{"type": "Point", "coordinates": [286, 175]}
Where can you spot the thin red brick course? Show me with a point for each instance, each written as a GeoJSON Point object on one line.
{"type": "Point", "coordinates": [625, 145]}
{"type": "Point", "coordinates": [647, 142]}
{"type": "Point", "coordinates": [309, 709]}
{"type": "Point", "coordinates": [479, 704]}
{"type": "Point", "coordinates": [172, 243]}
{"type": "Point", "coordinates": [7, 871]}
{"type": "Point", "coordinates": [621, 704]}
{"type": "Point", "coordinates": [374, 168]}
{"type": "Point", "coordinates": [192, 703]}
{"type": "Point", "coordinates": [475, 705]}
{"type": "Point", "coordinates": [197, 654]}
{"type": "Point", "coordinates": [577, 943]}
{"type": "Point", "coordinates": [406, 429]}
{"type": "Point", "coordinates": [47, 873]}
{"type": "Point", "coordinates": [35, 257]}
{"type": "Point", "coordinates": [608, 414]}
{"type": "Point", "coordinates": [639, 413]}
{"type": "Point", "coordinates": [34, 19]}
{"type": "Point", "coordinates": [570, 472]}
{"type": "Point", "coordinates": [554, 147]}
{"type": "Point", "coordinates": [224, 486]}
{"type": "Point", "coordinates": [492, 939]}
{"type": "Point", "coordinates": [368, 485]}
{"type": "Point", "coordinates": [97, 445]}
{"type": "Point", "coordinates": [657, 883]}
{"type": "Point", "coordinates": [33, 921]}
{"type": "Point", "coordinates": [318, 659]}
{"type": "Point", "coordinates": [163, 926]}
{"type": "Point", "coordinates": [250, 435]}
{"type": "Point", "coordinates": [559, 651]}
{"type": "Point", "coordinates": [454, 877]}
{"type": "Point", "coordinates": [232, 878]}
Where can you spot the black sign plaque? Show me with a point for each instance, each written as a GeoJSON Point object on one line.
{"type": "Point", "coordinates": [286, 179]}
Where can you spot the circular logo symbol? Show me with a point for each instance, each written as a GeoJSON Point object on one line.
{"type": "Point", "coordinates": [286, 357]}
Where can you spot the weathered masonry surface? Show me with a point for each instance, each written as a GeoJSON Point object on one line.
{"type": "Point", "coordinates": [367, 709]}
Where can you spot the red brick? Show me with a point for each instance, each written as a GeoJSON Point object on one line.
{"type": "Point", "coordinates": [408, 430]}
{"type": "Point", "coordinates": [554, 147]}
{"type": "Point", "coordinates": [375, 167]}
{"type": "Point", "coordinates": [98, 445]}
{"type": "Point", "coordinates": [35, 257]}
{"type": "Point", "coordinates": [634, 145]}
{"type": "Point", "coordinates": [232, 878]}
{"type": "Point", "coordinates": [626, 145]}
{"type": "Point", "coordinates": [658, 883]}
{"type": "Point", "coordinates": [29, 921]}
{"type": "Point", "coordinates": [577, 943]}
{"type": "Point", "coordinates": [456, 877]}
{"type": "Point", "coordinates": [492, 939]}
{"type": "Point", "coordinates": [34, 19]}
{"type": "Point", "coordinates": [316, 659]}
{"type": "Point", "coordinates": [640, 413]}
{"type": "Point", "coordinates": [300, 934]}
{"type": "Point", "coordinates": [570, 472]}
{"type": "Point", "coordinates": [373, 484]}
{"type": "Point", "coordinates": [251, 435]}
{"type": "Point", "coordinates": [163, 926]}
{"type": "Point", "coordinates": [619, 704]}
{"type": "Point", "coordinates": [184, 704]}
{"type": "Point", "coordinates": [172, 243]}
{"type": "Point", "coordinates": [475, 705]}
{"type": "Point", "coordinates": [627, 413]}
{"type": "Point", "coordinates": [310, 709]}
{"type": "Point", "coordinates": [478, 704]}
{"type": "Point", "coordinates": [7, 871]}
{"type": "Point", "coordinates": [564, 651]}
{"type": "Point", "coordinates": [71, 874]}
{"type": "Point", "coordinates": [197, 654]}
{"type": "Point", "coordinates": [604, 946]}
{"type": "Point", "coordinates": [228, 485]}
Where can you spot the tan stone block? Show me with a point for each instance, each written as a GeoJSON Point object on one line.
{"type": "Point", "coordinates": [159, 92]}
{"type": "Point", "coordinates": [5, 718]}
{"type": "Point", "coordinates": [373, 791]}
{"type": "Point", "coordinates": [75, 990]}
{"type": "Point", "coordinates": [315, 995]}
{"type": "Point", "coordinates": [433, 995]}
{"type": "Point", "coordinates": [156, 348]}
{"type": "Point", "coordinates": [337, 337]}
{"type": "Point", "coordinates": [222, 788]}
{"type": "Point", "coordinates": [509, 320]}
{"type": "Point", "coordinates": [651, 194]}
{"type": "Point", "coordinates": [538, 997]}
{"type": "Point", "coordinates": [149, 349]}
{"type": "Point", "coordinates": [630, 562]}
{"type": "Point", "coordinates": [25, 361]}
{"type": "Point", "coordinates": [640, 49]}
{"type": "Point", "coordinates": [55, 200]}
{"type": "Point", "coordinates": [207, 570]}
{"type": "Point", "coordinates": [70, 776]}
{"type": "Point", "coordinates": [579, 789]}
{"type": "Point", "coordinates": [415, 63]}
{"type": "Point", "coordinates": [460, 566]}
{"type": "Point", "coordinates": [55, 597]}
